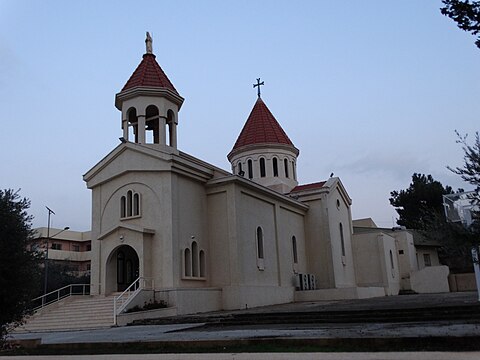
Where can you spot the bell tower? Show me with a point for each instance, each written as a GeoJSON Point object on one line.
{"type": "Point", "coordinates": [149, 104]}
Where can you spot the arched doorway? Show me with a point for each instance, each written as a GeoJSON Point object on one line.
{"type": "Point", "coordinates": [123, 266]}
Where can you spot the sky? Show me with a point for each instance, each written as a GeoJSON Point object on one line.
{"type": "Point", "coordinates": [371, 90]}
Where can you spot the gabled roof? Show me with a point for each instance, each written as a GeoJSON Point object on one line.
{"type": "Point", "coordinates": [149, 74]}
{"type": "Point", "coordinates": [261, 128]}
{"type": "Point", "coordinates": [311, 186]}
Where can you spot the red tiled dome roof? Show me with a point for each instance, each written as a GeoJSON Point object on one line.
{"type": "Point", "coordinates": [261, 128]}
{"type": "Point", "coordinates": [148, 73]}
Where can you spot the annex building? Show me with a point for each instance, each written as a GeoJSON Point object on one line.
{"type": "Point", "coordinates": [210, 239]}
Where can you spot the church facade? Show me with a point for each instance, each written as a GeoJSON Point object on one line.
{"type": "Point", "coordinates": [211, 239]}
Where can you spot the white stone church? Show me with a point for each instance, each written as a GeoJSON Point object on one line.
{"type": "Point", "coordinates": [210, 239]}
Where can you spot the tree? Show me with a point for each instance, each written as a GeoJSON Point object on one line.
{"type": "Point", "coordinates": [465, 13]}
{"type": "Point", "coordinates": [470, 172]}
{"type": "Point", "coordinates": [19, 271]}
{"type": "Point", "coordinates": [421, 203]}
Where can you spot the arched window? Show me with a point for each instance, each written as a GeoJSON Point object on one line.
{"type": "Point", "coordinates": [262, 167]}
{"type": "Point", "coordinates": [275, 166]}
{"type": "Point", "coordinates": [240, 169]}
{"type": "Point", "coordinates": [342, 240]}
{"type": "Point", "coordinates": [294, 249]}
{"type": "Point", "coordinates": [293, 171]}
{"type": "Point", "coordinates": [250, 168]}
{"type": "Point", "coordinates": [259, 242]}
{"type": "Point", "coordinates": [136, 204]}
{"type": "Point", "coordinates": [285, 164]}
{"type": "Point", "coordinates": [129, 202]}
{"type": "Point", "coordinates": [202, 263]}
{"type": "Point", "coordinates": [188, 262]}
{"type": "Point", "coordinates": [123, 206]}
{"type": "Point", "coordinates": [194, 259]}
{"type": "Point", "coordinates": [172, 132]}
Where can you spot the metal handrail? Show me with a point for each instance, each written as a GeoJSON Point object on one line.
{"type": "Point", "coordinates": [122, 300]}
{"type": "Point", "coordinates": [59, 296]}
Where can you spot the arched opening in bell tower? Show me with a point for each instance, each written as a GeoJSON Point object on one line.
{"type": "Point", "coordinates": [152, 125]}
{"type": "Point", "coordinates": [132, 124]}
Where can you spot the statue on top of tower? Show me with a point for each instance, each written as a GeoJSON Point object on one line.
{"type": "Point", "coordinates": [148, 43]}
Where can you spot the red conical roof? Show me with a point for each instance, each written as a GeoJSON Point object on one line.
{"type": "Point", "coordinates": [149, 74]}
{"type": "Point", "coordinates": [261, 128]}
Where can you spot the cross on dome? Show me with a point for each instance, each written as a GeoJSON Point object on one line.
{"type": "Point", "coordinates": [258, 84]}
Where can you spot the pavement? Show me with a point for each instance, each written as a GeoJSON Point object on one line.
{"type": "Point", "coordinates": [460, 334]}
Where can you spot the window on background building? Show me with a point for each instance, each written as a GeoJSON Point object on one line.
{"type": "Point", "coordinates": [427, 260]}
{"type": "Point", "coordinates": [75, 247]}
{"type": "Point", "coordinates": [262, 167]}
{"type": "Point", "coordinates": [56, 246]}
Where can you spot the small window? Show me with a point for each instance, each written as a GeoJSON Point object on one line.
{"type": "Point", "coordinates": [391, 260]}
{"type": "Point", "coordinates": [56, 246]}
{"type": "Point", "coordinates": [262, 167]}
{"type": "Point", "coordinates": [259, 242]}
{"type": "Point", "coordinates": [194, 259]}
{"type": "Point", "coordinates": [250, 169]}
{"type": "Point", "coordinates": [202, 263]}
{"type": "Point", "coordinates": [188, 262]}
{"type": "Point", "coordinates": [285, 164]}
{"type": "Point", "coordinates": [342, 240]}
{"type": "Point", "coordinates": [427, 260]}
{"type": "Point", "coordinates": [136, 204]}
{"type": "Point", "coordinates": [240, 170]}
{"type": "Point", "coordinates": [129, 203]}
{"type": "Point", "coordinates": [89, 247]}
{"type": "Point", "coordinates": [75, 247]}
{"type": "Point", "coordinates": [123, 206]}
{"type": "Point", "coordinates": [275, 167]}
{"type": "Point", "coordinates": [400, 252]}
{"type": "Point", "coordinates": [294, 249]}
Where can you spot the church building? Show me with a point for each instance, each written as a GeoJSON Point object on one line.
{"type": "Point", "coordinates": [210, 239]}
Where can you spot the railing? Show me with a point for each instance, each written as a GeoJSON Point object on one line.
{"type": "Point", "coordinates": [122, 300]}
{"type": "Point", "coordinates": [59, 294]}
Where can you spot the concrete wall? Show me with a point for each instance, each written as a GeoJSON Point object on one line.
{"type": "Point", "coordinates": [407, 259]}
{"type": "Point", "coordinates": [376, 263]}
{"type": "Point", "coordinates": [462, 282]}
{"type": "Point", "coordinates": [191, 301]}
{"type": "Point", "coordinates": [432, 279]}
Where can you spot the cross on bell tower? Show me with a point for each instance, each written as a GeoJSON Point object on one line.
{"type": "Point", "coordinates": [258, 84]}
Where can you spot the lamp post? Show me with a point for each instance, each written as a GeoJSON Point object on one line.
{"type": "Point", "coordinates": [50, 211]}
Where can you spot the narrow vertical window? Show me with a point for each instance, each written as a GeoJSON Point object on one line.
{"type": "Point", "coordinates": [250, 169]}
{"type": "Point", "coordinates": [275, 166]}
{"type": "Point", "coordinates": [188, 262]}
{"type": "Point", "coordinates": [123, 205]}
{"type": "Point", "coordinates": [262, 167]}
{"type": "Point", "coordinates": [294, 174]}
{"type": "Point", "coordinates": [391, 260]}
{"type": "Point", "coordinates": [285, 164]}
{"type": "Point", "coordinates": [129, 203]}
{"type": "Point", "coordinates": [259, 242]}
{"type": "Point", "coordinates": [342, 240]}
{"type": "Point", "coordinates": [202, 263]}
{"type": "Point", "coordinates": [294, 249]}
{"type": "Point", "coordinates": [194, 259]}
{"type": "Point", "coordinates": [136, 204]}
{"type": "Point", "coordinates": [240, 170]}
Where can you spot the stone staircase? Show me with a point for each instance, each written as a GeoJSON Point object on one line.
{"type": "Point", "coordinates": [73, 313]}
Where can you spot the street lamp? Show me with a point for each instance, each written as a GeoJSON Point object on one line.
{"type": "Point", "coordinates": [50, 211]}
